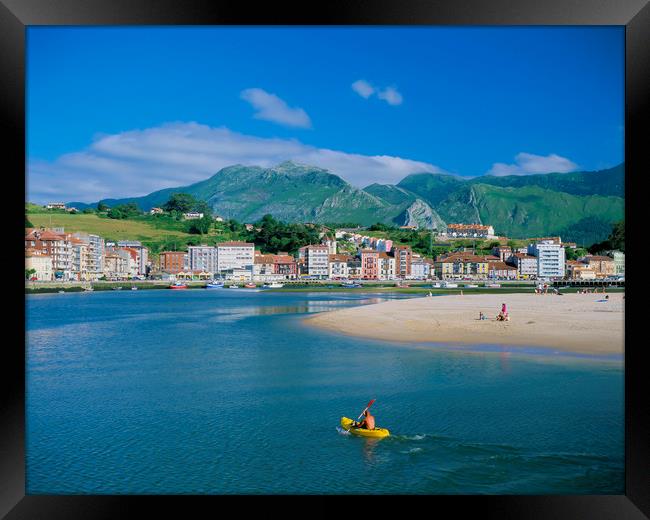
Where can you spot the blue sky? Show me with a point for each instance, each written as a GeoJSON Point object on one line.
{"type": "Point", "coordinates": [123, 111]}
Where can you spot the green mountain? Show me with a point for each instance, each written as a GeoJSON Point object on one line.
{"type": "Point", "coordinates": [290, 192]}
{"type": "Point", "coordinates": [579, 206]}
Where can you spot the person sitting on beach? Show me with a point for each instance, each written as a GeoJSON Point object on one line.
{"type": "Point", "coordinates": [368, 423]}
{"type": "Point", "coordinates": [481, 316]}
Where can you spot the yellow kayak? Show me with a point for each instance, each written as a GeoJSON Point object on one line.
{"type": "Point", "coordinates": [346, 424]}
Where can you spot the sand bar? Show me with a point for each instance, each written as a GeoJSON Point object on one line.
{"type": "Point", "coordinates": [571, 322]}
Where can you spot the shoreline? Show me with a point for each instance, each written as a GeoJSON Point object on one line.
{"type": "Point", "coordinates": [572, 323]}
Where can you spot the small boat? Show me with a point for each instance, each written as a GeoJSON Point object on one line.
{"type": "Point", "coordinates": [492, 285]}
{"type": "Point", "coordinates": [214, 285]}
{"type": "Point", "coordinates": [275, 285]}
{"type": "Point", "coordinates": [233, 287]}
{"type": "Point", "coordinates": [472, 285]}
{"type": "Point", "coordinates": [134, 288]}
{"type": "Point", "coordinates": [448, 285]}
{"type": "Point", "coordinates": [178, 285]}
{"type": "Point", "coordinates": [351, 285]}
{"type": "Point", "coordinates": [61, 292]}
{"type": "Point", "coordinates": [118, 288]}
{"type": "Point", "coordinates": [250, 286]}
{"type": "Point", "coordinates": [346, 424]}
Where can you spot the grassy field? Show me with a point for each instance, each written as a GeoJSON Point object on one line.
{"type": "Point", "coordinates": [106, 227]}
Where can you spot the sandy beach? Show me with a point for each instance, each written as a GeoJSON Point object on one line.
{"type": "Point", "coordinates": [571, 322]}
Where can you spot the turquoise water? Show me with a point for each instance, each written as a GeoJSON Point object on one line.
{"type": "Point", "coordinates": [227, 391]}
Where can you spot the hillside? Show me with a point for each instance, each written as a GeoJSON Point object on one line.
{"type": "Point", "coordinates": [580, 205]}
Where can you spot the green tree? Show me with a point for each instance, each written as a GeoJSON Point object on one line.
{"type": "Point", "coordinates": [180, 202]}
{"type": "Point", "coordinates": [102, 206]}
{"type": "Point", "coordinates": [124, 211]}
{"type": "Point", "coordinates": [29, 273]}
{"type": "Point", "coordinates": [28, 224]}
{"type": "Point", "coordinates": [88, 211]}
{"type": "Point", "coordinates": [200, 226]}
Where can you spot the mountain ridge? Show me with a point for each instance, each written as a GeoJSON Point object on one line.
{"type": "Point", "coordinates": [530, 205]}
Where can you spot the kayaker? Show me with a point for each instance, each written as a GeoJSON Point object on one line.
{"type": "Point", "coordinates": [368, 423]}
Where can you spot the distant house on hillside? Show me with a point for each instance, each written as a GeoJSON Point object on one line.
{"type": "Point", "coordinates": [156, 211]}
{"type": "Point", "coordinates": [55, 205]}
{"type": "Point", "coordinates": [193, 215]}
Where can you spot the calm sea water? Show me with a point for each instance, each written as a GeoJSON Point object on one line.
{"type": "Point", "coordinates": [227, 391]}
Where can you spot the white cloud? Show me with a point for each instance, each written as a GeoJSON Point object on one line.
{"type": "Point", "coordinates": [530, 164]}
{"type": "Point", "coordinates": [389, 94]}
{"type": "Point", "coordinates": [138, 162]}
{"type": "Point", "coordinates": [363, 88]}
{"type": "Point", "coordinates": [271, 108]}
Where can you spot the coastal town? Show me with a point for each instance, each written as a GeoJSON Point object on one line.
{"type": "Point", "coordinates": [342, 254]}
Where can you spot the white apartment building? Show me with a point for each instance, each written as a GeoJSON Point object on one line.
{"type": "Point", "coordinates": [420, 270]}
{"type": "Point", "coordinates": [235, 255]}
{"type": "Point", "coordinates": [550, 258]}
{"type": "Point", "coordinates": [202, 258]}
{"type": "Point", "coordinates": [317, 260]}
{"type": "Point", "coordinates": [386, 268]}
{"type": "Point", "coordinates": [39, 262]}
{"type": "Point", "coordinates": [95, 259]}
{"type": "Point", "coordinates": [526, 265]}
{"type": "Point", "coordinates": [143, 254]}
{"type": "Point", "coordinates": [338, 266]}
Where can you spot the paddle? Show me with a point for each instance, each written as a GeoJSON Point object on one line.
{"type": "Point", "coordinates": [364, 410]}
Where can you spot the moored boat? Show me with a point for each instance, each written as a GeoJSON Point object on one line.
{"type": "Point", "coordinates": [178, 285]}
{"type": "Point", "coordinates": [214, 285]}
{"type": "Point", "coordinates": [250, 286]}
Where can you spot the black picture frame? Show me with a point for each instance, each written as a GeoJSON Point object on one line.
{"type": "Point", "coordinates": [15, 15]}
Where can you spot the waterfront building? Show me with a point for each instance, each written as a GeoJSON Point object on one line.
{"type": "Point", "coordinates": [202, 258]}
{"type": "Point", "coordinates": [338, 266]}
{"type": "Point", "coordinates": [354, 268]}
{"type": "Point", "coordinates": [235, 255]}
{"type": "Point", "coordinates": [285, 265]}
{"type": "Point", "coordinates": [470, 231]}
{"type": "Point", "coordinates": [55, 244]}
{"type": "Point", "coordinates": [369, 264]}
{"type": "Point", "coordinates": [143, 254]}
{"type": "Point", "coordinates": [403, 256]}
{"type": "Point", "coordinates": [463, 265]}
{"type": "Point", "coordinates": [95, 260]}
{"type": "Point", "coordinates": [550, 258]}
{"type": "Point", "coordinates": [118, 263]}
{"type": "Point", "coordinates": [317, 260]}
{"type": "Point", "coordinates": [576, 270]}
{"type": "Point", "coordinates": [619, 262]}
{"type": "Point", "coordinates": [525, 264]}
{"type": "Point", "coordinates": [174, 261]}
{"type": "Point", "coordinates": [387, 266]}
{"type": "Point", "coordinates": [501, 271]}
{"type": "Point", "coordinates": [273, 268]}
{"type": "Point", "coordinates": [420, 269]}
{"type": "Point", "coordinates": [80, 259]}
{"type": "Point", "coordinates": [603, 266]}
{"type": "Point", "coordinates": [39, 262]}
